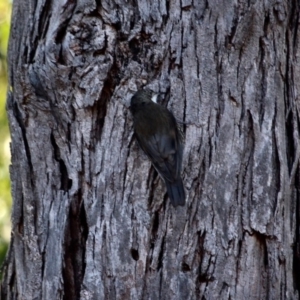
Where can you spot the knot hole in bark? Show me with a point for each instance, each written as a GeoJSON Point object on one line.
{"type": "Point", "coordinates": [135, 254]}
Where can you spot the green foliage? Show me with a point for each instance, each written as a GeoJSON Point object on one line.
{"type": "Point", "coordinates": [5, 196]}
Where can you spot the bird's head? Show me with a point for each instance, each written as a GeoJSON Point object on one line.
{"type": "Point", "coordinates": [141, 96]}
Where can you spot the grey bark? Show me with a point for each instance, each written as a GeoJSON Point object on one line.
{"type": "Point", "coordinates": [91, 219]}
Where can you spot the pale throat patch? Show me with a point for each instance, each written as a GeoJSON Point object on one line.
{"type": "Point", "coordinates": [154, 98]}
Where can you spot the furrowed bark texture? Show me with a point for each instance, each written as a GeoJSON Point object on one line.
{"type": "Point", "coordinates": [91, 219]}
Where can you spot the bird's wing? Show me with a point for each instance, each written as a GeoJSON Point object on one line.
{"type": "Point", "coordinates": [165, 153]}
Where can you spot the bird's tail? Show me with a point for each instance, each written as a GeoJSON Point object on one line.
{"type": "Point", "coordinates": [176, 192]}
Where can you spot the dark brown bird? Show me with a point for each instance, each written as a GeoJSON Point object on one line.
{"type": "Point", "coordinates": [158, 135]}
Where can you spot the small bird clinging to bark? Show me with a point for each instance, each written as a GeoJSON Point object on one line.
{"type": "Point", "coordinates": [158, 135]}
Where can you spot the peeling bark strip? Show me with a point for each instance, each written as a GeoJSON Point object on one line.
{"type": "Point", "coordinates": [90, 218]}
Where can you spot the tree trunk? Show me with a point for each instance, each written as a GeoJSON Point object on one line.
{"type": "Point", "coordinates": [91, 218]}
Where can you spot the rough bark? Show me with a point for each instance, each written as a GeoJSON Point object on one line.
{"type": "Point", "coordinates": [91, 218]}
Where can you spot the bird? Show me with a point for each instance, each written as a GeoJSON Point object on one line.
{"type": "Point", "coordinates": [158, 135]}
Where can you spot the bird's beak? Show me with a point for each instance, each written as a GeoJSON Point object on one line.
{"type": "Point", "coordinates": [154, 98]}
